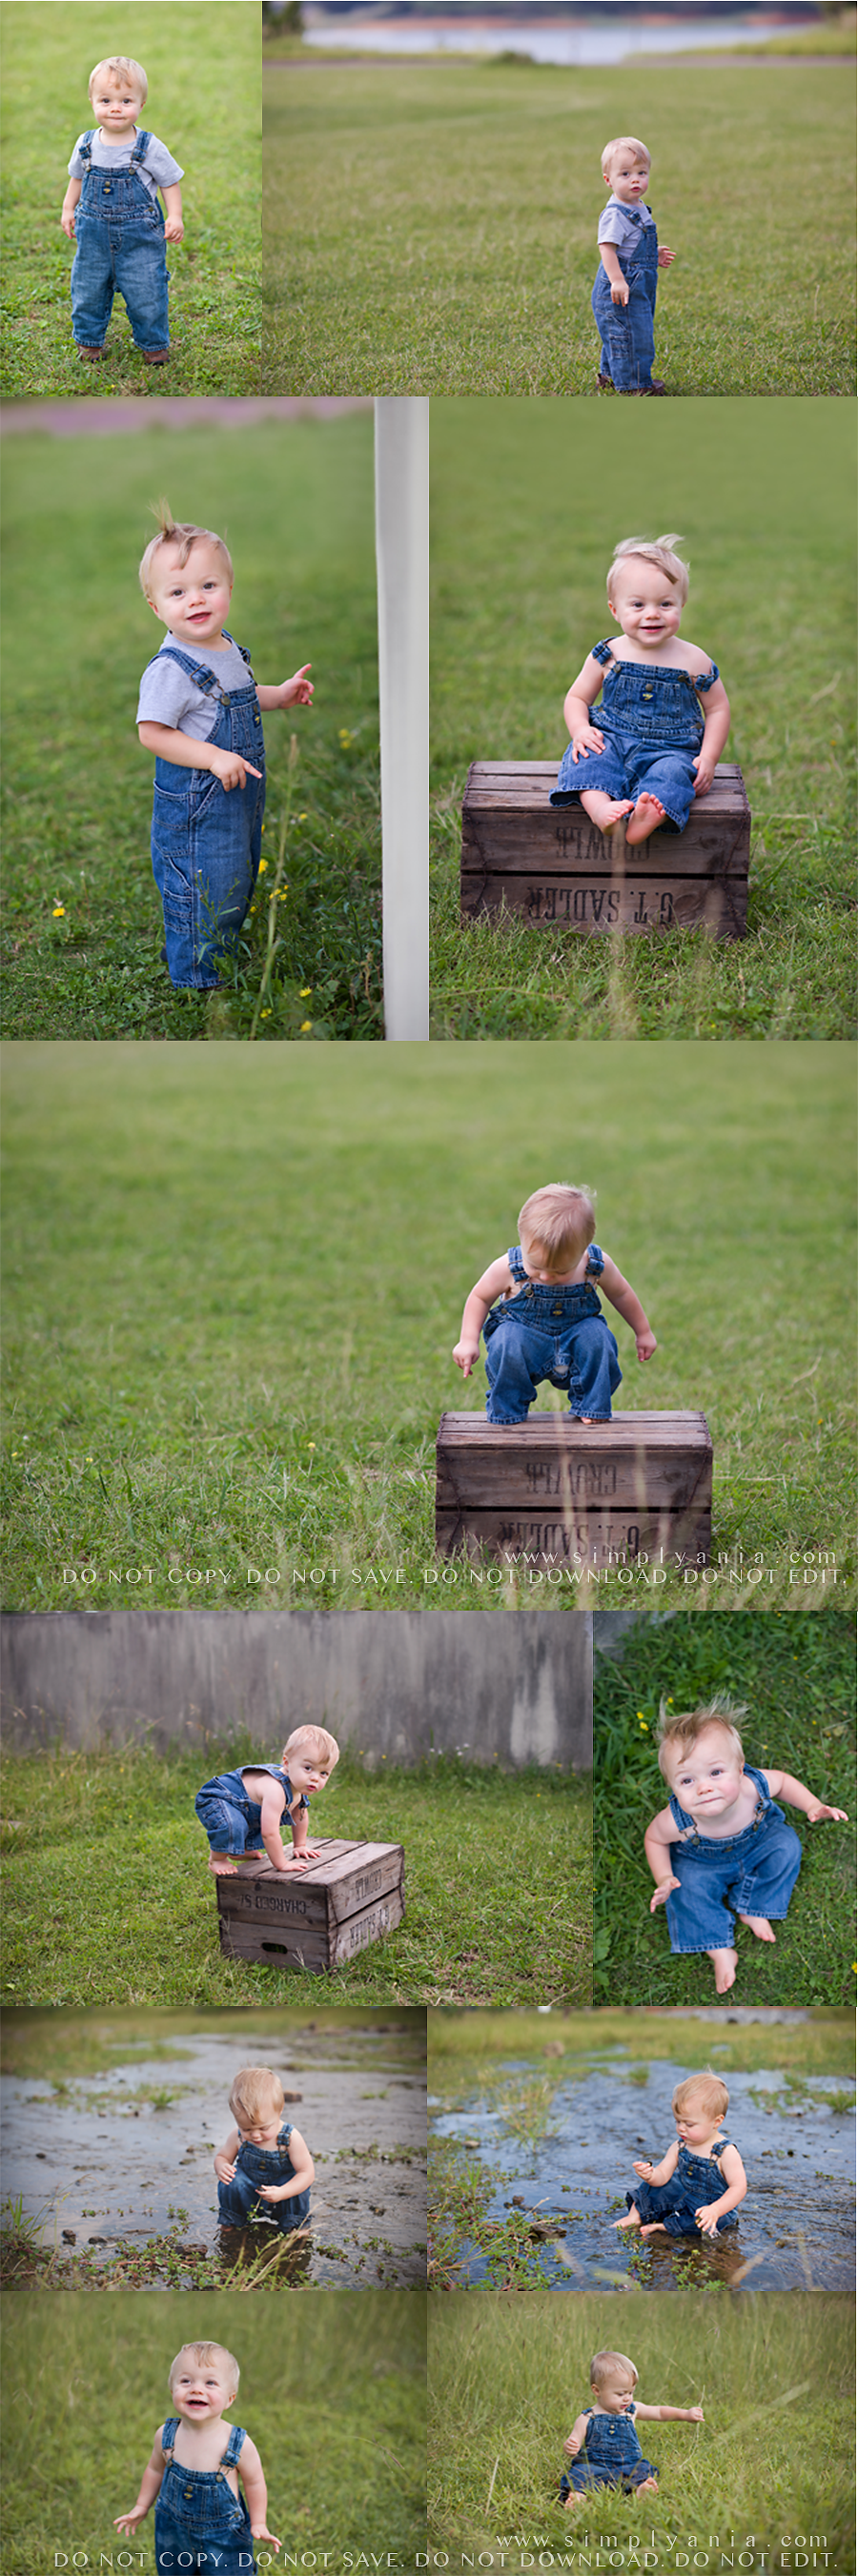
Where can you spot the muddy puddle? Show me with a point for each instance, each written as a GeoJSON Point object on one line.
{"type": "Point", "coordinates": [125, 2157]}
{"type": "Point", "coordinates": [796, 2227]}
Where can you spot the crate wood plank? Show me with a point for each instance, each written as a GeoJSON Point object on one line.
{"type": "Point", "coordinates": [347, 1876]}
{"type": "Point", "coordinates": [550, 864]}
{"type": "Point", "coordinates": [594, 1538]}
{"type": "Point", "coordinates": [641, 1481]}
{"type": "Point", "coordinates": [315, 1948]}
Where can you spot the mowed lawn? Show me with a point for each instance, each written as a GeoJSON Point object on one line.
{"type": "Point", "coordinates": [529, 500]}
{"type": "Point", "coordinates": [203, 68]}
{"type": "Point", "coordinates": [430, 227]}
{"type": "Point", "coordinates": [234, 1280]}
{"type": "Point", "coordinates": [83, 930]}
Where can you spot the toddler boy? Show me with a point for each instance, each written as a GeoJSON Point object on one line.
{"type": "Point", "coordinates": [265, 2168]}
{"type": "Point", "coordinates": [111, 211]}
{"type": "Point", "coordinates": [547, 1321]}
{"type": "Point", "coordinates": [722, 1846]}
{"type": "Point", "coordinates": [242, 1811]}
{"type": "Point", "coordinates": [623, 297]}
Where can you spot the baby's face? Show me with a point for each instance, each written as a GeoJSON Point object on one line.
{"type": "Point", "coordinates": [201, 2390]}
{"type": "Point", "coordinates": [308, 1772]}
{"type": "Point", "coordinates": [615, 2395]}
{"type": "Point", "coordinates": [694, 2126]}
{"type": "Point", "coordinates": [114, 104]}
{"type": "Point", "coordinates": [628, 178]}
{"type": "Point", "coordinates": [708, 1780]}
{"type": "Point", "coordinates": [644, 603]}
{"type": "Point", "coordinates": [263, 2132]}
{"type": "Point", "coordinates": [191, 599]}
{"type": "Point", "coordinates": [548, 1268]}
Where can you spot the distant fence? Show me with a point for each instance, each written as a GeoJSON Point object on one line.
{"type": "Point", "coordinates": [515, 1687]}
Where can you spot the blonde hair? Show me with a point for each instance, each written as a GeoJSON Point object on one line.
{"type": "Point", "coordinates": [679, 1729]}
{"type": "Point", "coordinates": [205, 2355]}
{"type": "Point", "coordinates": [604, 2362]}
{"type": "Point", "coordinates": [255, 2090]}
{"type": "Point", "coordinates": [624, 143]}
{"type": "Point", "coordinates": [318, 1739]}
{"type": "Point", "coordinates": [707, 2089]}
{"type": "Point", "coordinates": [123, 67]}
{"type": "Point", "coordinates": [180, 533]}
{"type": "Point", "coordinates": [654, 550]}
{"type": "Point", "coordinates": [559, 1218]}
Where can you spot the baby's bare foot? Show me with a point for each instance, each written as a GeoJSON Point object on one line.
{"type": "Point", "coordinates": [759, 1925]}
{"type": "Point", "coordinates": [222, 1867]}
{"type": "Point", "coordinates": [632, 2218]}
{"type": "Point", "coordinates": [725, 1963]}
{"type": "Point", "coordinates": [604, 810]}
{"type": "Point", "coordinates": [647, 816]}
{"type": "Point", "coordinates": [648, 2486]}
{"type": "Point", "coordinates": [656, 2228]}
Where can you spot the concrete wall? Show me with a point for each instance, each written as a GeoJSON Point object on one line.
{"type": "Point", "coordinates": [396, 1683]}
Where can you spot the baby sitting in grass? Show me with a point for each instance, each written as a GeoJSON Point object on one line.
{"type": "Point", "coordinates": [698, 2185]}
{"type": "Point", "coordinates": [265, 2168]}
{"type": "Point", "coordinates": [193, 2472]}
{"type": "Point", "coordinates": [722, 1845]}
{"type": "Point", "coordinates": [612, 2455]}
{"type": "Point", "coordinates": [540, 1316]}
{"type": "Point", "coordinates": [242, 1811]}
{"type": "Point", "coordinates": [650, 754]}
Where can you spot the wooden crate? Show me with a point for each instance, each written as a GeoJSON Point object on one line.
{"type": "Point", "coordinates": [549, 863]}
{"type": "Point", "coordinates": [315, 1918]}
{"type": "Point", "coordinates": [561, 1494]}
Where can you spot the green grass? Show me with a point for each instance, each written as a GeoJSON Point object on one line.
{"type": "Point", "coordinates": [57, 2045]}
{"type": "Point", "coordinates": [528, 503]}
{"type": "Point", "coordinates": [467, 2048]}
{"type": "Point", "coordinates": [797, 1678]}
{"type": "Point", "coordinates": [203, 70]}
{"type": "Point", "coordinates": [468, 195]}
{"type": "Point", "coordinates": [773, 2458]}
{"type": "Point", "coordinates": [234, 1282]}
{"type": "Point", "coordinates": [341, 2436]}
{"type": "Point", "coordinates": [83, 928]}
{"type": "Point", "coordinates": [113, 1902]}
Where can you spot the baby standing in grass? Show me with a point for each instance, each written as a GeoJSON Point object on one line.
{"type": "Point", "coordinates": [264, 2169]}
{"type": "Point", "coordinates": [111, 211]}
{"type": "Point", "coordinates": [624, 294]}
{"type": "Point", "coordinates": [606, 2434]}
{"type": "Point", "coordinates": [540, 1317]}
{"type": "Point", "coordinates": [722, 1846]}
{"type": "Point", "coordinates": [698, 2185]}
{"type": "Point", "coordinates": [651, 753]}
{"type": "Point", "coordinates": [243, 1811]}
{"type": "Point", "coordinates": [193, 2471]}
{"type": "Point", "coordinates": [199, 711]}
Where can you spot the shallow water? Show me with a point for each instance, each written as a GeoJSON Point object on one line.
{"type": "Point", "coordinates": [601, 43]}
{"type": "Point", "coordinates": [97, 2159]}
{"type": "Point", "coordinates": [796, 2228]}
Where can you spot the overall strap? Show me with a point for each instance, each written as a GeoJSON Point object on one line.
{"type": "Point", "coordinates": [237, 2438]}
{"type": "Point", "coordinates": [595, 1262]}
{"type": "Point", "coordinates": [515, 1258]}
{"type": "Point", "coordinates": [197, 671]}
{"type": "Point", "coordinates": [168, 2437]}
{"type": "Point", "coordinates": [284, 2137]}
{"type": "Point", "coordinates": [85, 147]}
{"type": "Point", "coordinates": [603, 652]}
{"type": "Point", "coordinates": [707, 681]}
{"type": "Point", "coordinates": [140, 150]}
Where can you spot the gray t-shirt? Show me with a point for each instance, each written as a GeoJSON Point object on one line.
{"type": "Point", "coordinates": [157, 168]}
{"type": "Point", "coordinates": [169, 696]}
{"type": "Point", "coordinates": [617, 223]}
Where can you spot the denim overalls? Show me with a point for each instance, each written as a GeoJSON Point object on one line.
{"type": "Point", "coordinates": [653, 730]}
{"type": "Point", "coordinates": [613, 2456]}
{"type": "Point", "coordinates": [554, 1333]}
{"type": "Point", "coordinates": [753, 1872]}
{"type": "Point", "coordinates": [695, 2180]}
{"type": "Point", "coordinates": [232, 1820]}
{"type": "Point", "coordinates": [207, 843]}
{"type": "Point", "coordinates": [628, 344]}
{"type": "Point", "coordinates": [199, 2523]}
{"type": "Point", "coordinates": [119, 238]}
{"type": "Point", "coordinates": [254, 2165]}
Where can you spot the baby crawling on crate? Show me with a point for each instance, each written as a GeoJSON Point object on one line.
{"type": "Point", "coordinates": [540, 1317]}
{"type": "Point", "coordinates": [243, 1811]}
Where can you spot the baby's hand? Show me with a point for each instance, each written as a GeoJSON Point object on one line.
{"type": "Point", "coordinates": [694, 2414]}
{"type": "Point", "coordinates": [704, 774]}
{"type": "Point", "coordinates": [127, 2523]}
{"type": "Point", "coordinates": [820, 1815]}
{"type": "Point", "coordinates": [666, 258]}
{"type": "Point", "coordinates": [312, 1851]}
{"type": "Point", "coordinates": [620, 290]}
{"type": "Point", "coordinates": [465, 1355]}
{"type": "Point", "coordinates": [271, 2191]}
{"type": "Point", "coordinates": [232, 771]}
{"type": "Point", "coordinates": [707, 2220]}
{"type": "Point", "coordinates": [260, 2531]}
{"type": "Point", "coordinates": [67, 221]}
{"type": "Point", "coordinates": [224, 2169]}
{"type": "Point", "coordinates": [645, 2169]}
{"type": "Point", "coordinates": [645, 1344]}
{"type": "Point", "coordinates": [586, 738]}
{"type": "Point", "coordinates": [297, 692]}
{"type": "Point", "coordinates": [571, 2446]}
{"type": "Point", "coordinates": [174, 229]}
{"type": "Point", "coordinates": [661, 1892]}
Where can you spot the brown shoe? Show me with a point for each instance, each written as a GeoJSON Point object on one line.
{"type": "Point", "coordinates": [604, 384]}
{"type": "Point", "coordinates": [92, 355]}
{"type": "Point", "coordinates": [655, 386]}
{"type": "Point", "coordinates": [155, 357]}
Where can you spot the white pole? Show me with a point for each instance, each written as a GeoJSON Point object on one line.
{"type": "Point", "coordinates": [402, 560]}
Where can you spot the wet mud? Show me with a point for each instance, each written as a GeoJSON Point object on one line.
{"type": "Point", "coordinates": [796, 2228]}
{"type": "Point", "coordinates": [123, 2158]}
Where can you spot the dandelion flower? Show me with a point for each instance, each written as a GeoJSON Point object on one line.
{"type": "Point", "coordinates": [265, 1015]}
{"type": "Point", "coordinates": [305, 1024]}
{"type": "Point", "coordinates": [301, 818]}
{"type": "Point", "coordinates": [59, 910]}
{"type": "Point", "coordinates": [306, 990]}
{"type": "Point", "coordinates": [262, 866]}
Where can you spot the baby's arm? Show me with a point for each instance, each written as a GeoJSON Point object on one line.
{"type": "Point", "coordinates": [574, 2439]}
{"type": "Point", "coordinates": [715, 731]}
{"type": "Point", "coordinates": [576, 709]}
{"type": "Point", "coordinates": [273, 1803]}
{"type": "Point", "coordinates": [737, 2184]}
{"type": "Point", "coordinates": [619, 284]}
{"type": "Point", "coordinates": [782, 1785]}
{"type": "Point", "coordinates": [659, 2173]}
{"type": "Point", "coordinates": [224, 2163]}
{"type": "Point", "coordinates": [301, 1849]}
{"type": "Point", "coordinates": [657, 1841]}
{"type": "Point", "coordinates": [150, 2485]}
{"type": "Point", "coordinates": [173, 227]}
{"type": "Point", "coordinates": [186, 753]}
{"type": "Point", "coordinates": [252, 2479]}
{"type": "Point", "coordinates": [70, 201]}
{"type": "Point", "coordinates": [670, 2414]}
{"type": "Point", "coordinates": [297, 692]}
{"type": "Point", "coordinates": [304, 2171]}
{"type": "Point", "coordinates": [492, 1284]}
{"type": "Point", "coordinates": [629, 1306]}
